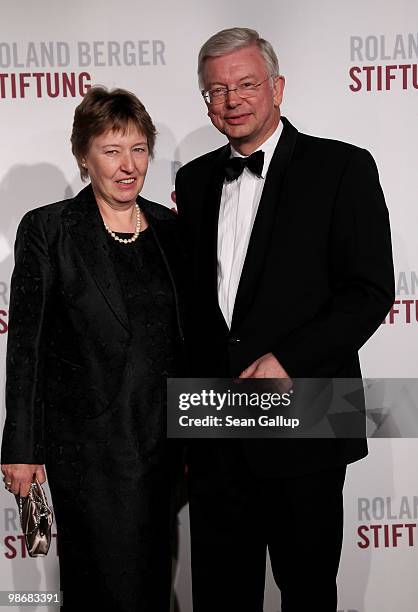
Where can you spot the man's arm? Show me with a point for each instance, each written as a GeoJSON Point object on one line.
{"type": "Point", "coordinates": [361, 275]}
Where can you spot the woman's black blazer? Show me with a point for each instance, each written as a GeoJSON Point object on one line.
{"type": "Point", "coordinates": [69, 330]}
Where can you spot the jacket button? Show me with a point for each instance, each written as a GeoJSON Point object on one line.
{"type": "Point", "coordinates": [234, 340]}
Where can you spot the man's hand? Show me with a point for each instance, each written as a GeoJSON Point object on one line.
{"type": "Point", "coordinates": [267, 366]}
{"type": "Point", "coordinates": [19, 476]}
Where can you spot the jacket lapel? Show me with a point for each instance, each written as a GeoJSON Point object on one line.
{"type": "Point", "coordinates": [208, 237]}
{"type": "Point", "coordinates": [85, 225]}
{"type": "Point", "coordinates": [264, 223]}
{"type": "Point", "coordinates": [170, 249]}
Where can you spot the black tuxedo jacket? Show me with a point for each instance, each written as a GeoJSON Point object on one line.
{"type": "Point", "coordinates": [69, 331]}
{"type": "Point", "coordinates": [317, 279]}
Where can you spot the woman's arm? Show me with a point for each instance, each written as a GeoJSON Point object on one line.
{"type": "Point", "coordinates": [23, 444]}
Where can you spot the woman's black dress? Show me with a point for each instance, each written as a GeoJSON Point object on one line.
{"type": "Point", "coordinates": [111, 490]}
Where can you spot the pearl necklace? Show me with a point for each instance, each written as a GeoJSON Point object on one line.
{"type": "Point", "coordinates": [136, 233]}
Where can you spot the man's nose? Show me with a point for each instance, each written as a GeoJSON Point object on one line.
{"type": "Point", "coordinates": [232, 99]}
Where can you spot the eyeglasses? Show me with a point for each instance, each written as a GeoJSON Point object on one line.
{"type": "Point", "coordinates": [246, 90]}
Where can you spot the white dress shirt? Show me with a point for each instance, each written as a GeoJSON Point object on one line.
{"type": "Point", "coordinates": [239, 205]}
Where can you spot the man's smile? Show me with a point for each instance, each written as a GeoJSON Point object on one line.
{"type": "Point", "coordinates": [237, 119]}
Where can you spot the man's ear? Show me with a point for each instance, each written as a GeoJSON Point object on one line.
{"type": "Point", "coordinates": [278, 88]}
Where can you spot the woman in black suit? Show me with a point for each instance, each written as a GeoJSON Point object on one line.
{"type": "Point", "coordinates": [95, 330]}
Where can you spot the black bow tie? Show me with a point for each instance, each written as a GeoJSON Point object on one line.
{"type": "Point", "coordinates": [235, 165]}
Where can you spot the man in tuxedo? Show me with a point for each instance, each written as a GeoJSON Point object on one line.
{"type": "Point", "coordinates": [291, 273]}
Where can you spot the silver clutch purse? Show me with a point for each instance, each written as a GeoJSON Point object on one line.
{"type": "Point", "coordinates": [36, 520]}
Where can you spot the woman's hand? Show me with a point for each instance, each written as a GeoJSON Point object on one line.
{"type": "Point", "coordinates": [19, 476]}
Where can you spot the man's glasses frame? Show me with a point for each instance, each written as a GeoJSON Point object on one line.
{"type": "Point", "coordinates": [246, 90]}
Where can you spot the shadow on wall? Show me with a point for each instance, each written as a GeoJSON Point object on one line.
{"type": "Point", "coordinates": [159, 180]}
{"type": "Point", "coordinates": [199, 142]}
{"type": "Point", "coordinates": [25, 187]}
{"type": "Point", "coordinates": [159, 184]}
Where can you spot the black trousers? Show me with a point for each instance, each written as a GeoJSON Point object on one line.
{"type": "Point", "coordinates": [236, 515]}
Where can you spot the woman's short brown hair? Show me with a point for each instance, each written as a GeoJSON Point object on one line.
{"type": "Point", "coordinates": [102, 110]}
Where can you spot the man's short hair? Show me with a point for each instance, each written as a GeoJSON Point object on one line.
{"type": "Point", "coordinates": [233, 39]}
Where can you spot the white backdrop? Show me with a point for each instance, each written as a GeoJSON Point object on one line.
{"type": "Point", "coordinates": [351, 74]}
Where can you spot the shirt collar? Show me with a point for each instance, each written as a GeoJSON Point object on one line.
{"type": "Point", "coordinates": [267, 146]}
